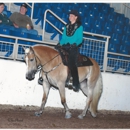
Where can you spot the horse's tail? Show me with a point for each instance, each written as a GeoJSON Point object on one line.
{"type": "Point", "coordinates": [96, 96]}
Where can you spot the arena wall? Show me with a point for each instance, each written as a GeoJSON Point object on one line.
{"type": "Point", "coordinates": [16, 90]}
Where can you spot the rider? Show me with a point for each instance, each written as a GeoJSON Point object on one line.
{"type": "Point", "coordinates": [72, 37]}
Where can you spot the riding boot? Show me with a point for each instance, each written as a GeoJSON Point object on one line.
{"type": "Point", "coordinates": [40, 80]}
{"type": "Point", "coordinates": [74, 73]}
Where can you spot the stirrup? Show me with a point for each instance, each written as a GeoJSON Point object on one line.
{"type": "Point", "coordinates": [69, 83]}
{"type": "Point", "coordinates": [40, 81]}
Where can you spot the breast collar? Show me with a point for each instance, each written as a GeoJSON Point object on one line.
{"type": "Point", "coordinates": [71, 28]}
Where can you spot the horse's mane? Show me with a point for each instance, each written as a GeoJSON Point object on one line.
{"type": "Point", "coordinates": [46, 49]}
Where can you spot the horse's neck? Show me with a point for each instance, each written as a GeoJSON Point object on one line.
{"type": "Point", "coordinates": [46, 59]}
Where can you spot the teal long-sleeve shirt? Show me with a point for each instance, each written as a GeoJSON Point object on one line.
{"type": "Point", "coordinates": [77, 37]}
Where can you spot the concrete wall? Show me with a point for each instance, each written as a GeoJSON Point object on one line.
{"type": "Point", "coordinates": [16, 90]}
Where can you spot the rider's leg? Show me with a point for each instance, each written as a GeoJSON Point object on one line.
{"type": "Point", "coordinates": [40, 80]}
{"type": "Point", "coordinates": [73, 67]}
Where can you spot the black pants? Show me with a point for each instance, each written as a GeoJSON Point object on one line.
{"type": "Point", "coordinates": [72, 64]}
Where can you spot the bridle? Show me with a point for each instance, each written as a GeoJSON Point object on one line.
{"type": "Point", "coordinates": [40, 66]}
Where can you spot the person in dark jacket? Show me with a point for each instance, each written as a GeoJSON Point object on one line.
{"type": "Point", "coordinates": [4, 20]}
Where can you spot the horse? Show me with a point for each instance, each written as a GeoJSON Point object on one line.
{"type": "Point", "coordinates": [54, 74]}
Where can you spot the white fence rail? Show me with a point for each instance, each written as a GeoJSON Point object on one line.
{"type": "Point", "coordinates": [94, 45]}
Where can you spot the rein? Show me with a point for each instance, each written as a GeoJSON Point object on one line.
{"type": "Point", "coordinates": [40, 67]}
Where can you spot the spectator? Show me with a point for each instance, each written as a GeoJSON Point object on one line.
{"type": "Point", "coordinates": [4, 20]}
{"type": "Point", "coordinates": [21, 20]}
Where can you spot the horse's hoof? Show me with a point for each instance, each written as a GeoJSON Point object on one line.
{"type": "Point", "coordinates": [94, 114]}
{"type": "Point", "coordinates": [80, 116]}
{"type": "Point", "coordinates": [68, 115]}
{"type": "Point", "coordinates": [38, 114]}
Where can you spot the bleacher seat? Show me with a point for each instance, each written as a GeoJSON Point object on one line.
{"type": "Point", "coordinates": [105, 8]}
{"type": "Point", "coordinates": [35, 37]}
{"type": "Point", "coordinates": [98, 26]}
{"type": "Point", "coordinates": [108, 27]}
{"type": "Point", "coordinates": [101, 17]}
{"type": "Point", "coordinates": [126, 39]}
{"type": "Point", "coordinates": [19, 34]}
{"type": "Point", "coordinates": [127, 67]}
{"type": "Point", "coordinates": [4, 30]}
{"type": "Point", "coordinates": [118, 28]}
{"type": "Point", "coordinates": [92, 14]}
{"type": "Point", "coordinates": [95, 6]}
{"type": "Point", "coordinates": [117, 65]}
{"type": "Point", "coordinates": [64, 17]}
{"type": "Point", "coordinates": [115, 38]}
{"type": "Point", "coordinates": [7, 39]}
{"type": "Point", "coordinates": [126, 29]}
{"type": "Point", "coordinates": [120, 19]}
{"type": "Point", "coordinates": [57, 7]}
{"type": "Point", "coordinates": [87, 24]}
{"type": "Point", "coordinates": [111, 10]}
{"type": "Point", "coordinates": [126, 21]}
{"type": "Point", "coordinates": [113, 48]}
{"type": "Point", "coordinates": [111, 18]}
{"type": "Point", "coordinates": [123, 49]}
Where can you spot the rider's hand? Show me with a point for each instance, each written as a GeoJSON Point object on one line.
{"type": "Point", "coordinates": [57, 46]}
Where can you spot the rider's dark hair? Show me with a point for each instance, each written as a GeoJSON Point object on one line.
{"type": "Point", "coordinates": [75, 12]}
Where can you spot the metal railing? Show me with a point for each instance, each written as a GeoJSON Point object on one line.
{"type": "Point", "coordinates": [94, 45]}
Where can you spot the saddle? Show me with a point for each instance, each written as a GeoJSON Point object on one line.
{"type": "Point", "coordinates": [82, 60]}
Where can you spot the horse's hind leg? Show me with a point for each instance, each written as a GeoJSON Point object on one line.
{"type": "Point", "coordinates": [63, 101]}
{"type": "Point", "coordinates": [88, 91]}
{"type": "Point", "coordinates": [46, 88]}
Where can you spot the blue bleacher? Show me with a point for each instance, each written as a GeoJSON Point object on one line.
{"type": "Point", "coordinates": [97, 18]}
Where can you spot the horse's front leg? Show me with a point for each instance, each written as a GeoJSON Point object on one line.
{"type": "Point", "coordinates": [46, 88]}
{"type": "Point", "coordinates": [63, 101]}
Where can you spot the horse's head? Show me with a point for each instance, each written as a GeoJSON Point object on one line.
{"type": "Point", "coordinates": [30, 59]}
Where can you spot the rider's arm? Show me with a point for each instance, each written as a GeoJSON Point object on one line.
{"type": "Point", "coordinates": [79, 35]}
{"type": "Point", "coordinates": [63, 39]}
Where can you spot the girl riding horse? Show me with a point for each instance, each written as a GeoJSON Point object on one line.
{"type": "Point", "coordinates": [72, 37]}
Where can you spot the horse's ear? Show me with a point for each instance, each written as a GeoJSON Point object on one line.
{"type": "Point", "coordinates": [31, 49]}
{"type": "Point", "coordinates": [24, 48]}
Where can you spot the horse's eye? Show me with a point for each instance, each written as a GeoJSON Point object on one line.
{"type": "Point", "coordinates": [31, 60]}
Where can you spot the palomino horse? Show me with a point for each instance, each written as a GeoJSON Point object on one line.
{"type": "Point", "coordinates": [54, 73]}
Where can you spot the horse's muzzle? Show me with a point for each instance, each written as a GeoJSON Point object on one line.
{"type": "Point", "coordinates": [31, 75]}
{"type": "Point", "coordinates": [29, 78]}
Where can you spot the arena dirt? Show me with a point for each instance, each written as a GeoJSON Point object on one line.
{"type": "Point", "coordinates": [53, 118]}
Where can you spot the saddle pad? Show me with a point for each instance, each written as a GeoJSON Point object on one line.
{"type": "Point", "coordinates": [81, 61]}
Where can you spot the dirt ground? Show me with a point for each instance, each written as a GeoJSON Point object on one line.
{"type": "Point", "coordinates": [53, 118]}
